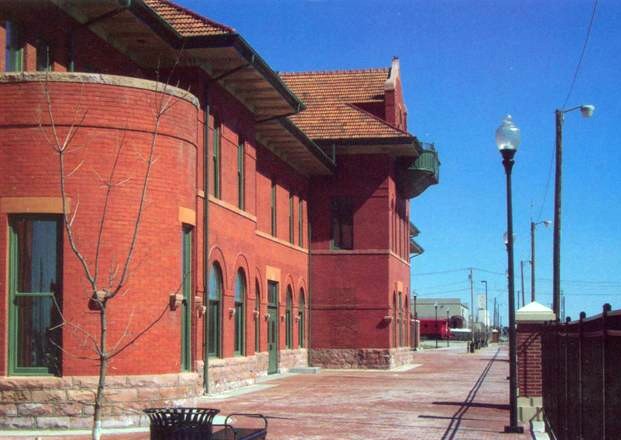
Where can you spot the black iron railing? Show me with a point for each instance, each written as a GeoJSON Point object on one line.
{"type": "Point", "coordinates": [582, 377]}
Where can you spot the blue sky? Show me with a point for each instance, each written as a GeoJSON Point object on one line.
{"type": "Point", "coordinates": [464, 64]}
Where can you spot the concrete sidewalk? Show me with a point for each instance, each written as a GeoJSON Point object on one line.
{"type": "Point", "coordinates": [448, 395]}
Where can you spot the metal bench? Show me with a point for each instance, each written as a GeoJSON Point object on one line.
{"type": "Point", "coordinates": [197, 424]}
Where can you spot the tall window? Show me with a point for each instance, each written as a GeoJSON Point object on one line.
{"type": "Point", "coordinates": [394, 319]}
{"type": "Point", "coordinates": [273, 207]}
{"type": "Point", "coordinates": [342, 223]}
{"type": "Point", "coordinates": [288, 319]}
{"type": "Point", "coordinates": [241, 177]}
{"type": "Point", "coordinates": [257, 318]}
{"type": "Point", "coordinates": [240, 295]}
{"type": "Point", "coordinates": [301, 223]}
{"type": "Point", "coordinates": [186, 313]}
{"type": "Point", "coordinates": [214, 312]}
{"type": "Point", "coordinates": [302, 320]}
{"type": "Point", "coordinates": [34, 295]}
{"type": "Point", "coordinates": [14, 53]}
{"type": "Point", "coordinates": [291, 220]}
{"type": "Point", "coordinates": [400, 320]}
{"type": "Point", "coordinates": [217, 158]}
{"type": "Point", "coordinates": [44, 56]}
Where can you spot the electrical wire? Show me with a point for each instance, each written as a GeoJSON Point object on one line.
{"type": "Point", "coordinates": [584, 47]}
{"type": "Point", "coordinates": [570, 91]}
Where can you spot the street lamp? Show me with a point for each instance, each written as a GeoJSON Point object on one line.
{"type": "Point", "coordinates": [587, 112]}
{"type": "Point", "coordinates": [435, 305]}
{"type": "Point", "coordinates": [533, 225]}
{"type": "Point", "coordinates": [507, 140]}
{"type": "Point", "coordinates": [486, 315]}
{"type": "Point", "coordinates": [448, 333]}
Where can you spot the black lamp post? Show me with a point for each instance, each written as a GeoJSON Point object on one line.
{"type": "Point", "coordinates": [587, 112]}
{"type": "Point", "coordinates": [507, 140]}
{"type": "Point", "coordinates": [435, 306]}
{"type": "Point", "coordinates": [448, 332]}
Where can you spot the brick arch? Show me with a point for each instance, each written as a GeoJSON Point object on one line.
{"type": "Point", "coordinates": [241, 262]}
{"type": "Point", "coordinates": [262, 289]}
{"type": "Point", "coordinates": [288, 283]}
{"type": "Point", "coordinates": [217, 256]}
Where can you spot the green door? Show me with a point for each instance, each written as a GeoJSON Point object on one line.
{"type": "Point", "coordinates": [186, 309]}
{"type": "Point", "coordinates": [272, 328]}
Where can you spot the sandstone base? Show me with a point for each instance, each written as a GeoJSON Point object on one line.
{"type": "Point", "coordinates": [375, 358]}
{"type": "Point", "coordinates": [68, 402]}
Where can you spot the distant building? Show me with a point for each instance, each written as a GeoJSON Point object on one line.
{"type": "Point", "coordinates": [459, 313]}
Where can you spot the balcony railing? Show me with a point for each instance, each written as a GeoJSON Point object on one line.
{"type": "Point", "coordinates": [415, 177]}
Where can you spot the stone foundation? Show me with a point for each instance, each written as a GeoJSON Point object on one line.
{"type": "Point", "coordinates": [292, 359]}
{"type": "Point", "coordinates": [230, 373]}
{"type": "Point", "coordinates": [68, 402]}
{"type": "Point", "coordinates": [375, 358]}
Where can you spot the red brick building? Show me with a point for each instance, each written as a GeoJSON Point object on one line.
{"type": "Point", "coordinates": [275, 206]}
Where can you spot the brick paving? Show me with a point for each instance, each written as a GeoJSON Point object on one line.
{"type": "Point", "coordinates": [450, 395]}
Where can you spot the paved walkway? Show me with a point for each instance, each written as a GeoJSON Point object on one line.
{"type": "Point", "coordinates": [449, 395]}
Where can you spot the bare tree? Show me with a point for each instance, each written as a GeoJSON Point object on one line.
{"type": "Point", "coordinates": [103, 285]}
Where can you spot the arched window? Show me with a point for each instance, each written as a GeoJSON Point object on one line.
{"type": "Point", "coordinates": [240, 295]}
{"type": "Point", "coordinates": [394, 319]}
{"type": "Point", "coordinates": [214, 311]}
{"type": "Point", "coordinates": [288, 320]}
{"type": "Point", "coordinates": [400, 321]}
{"type": "Point", "coordinates": [406, 321]}
{"type": "Point", "coordinates": [301, 320]}
{"type": "Point", "coordinates": [257, 318]}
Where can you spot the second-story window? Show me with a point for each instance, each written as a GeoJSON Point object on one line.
{"type": "Point", "coordinates": [217, 158]}
{"type": "Point", "coordinates": [14, 53]}
{"type": "Point", "coordinates": [342, 223]}
{"type": "Point", "coordinates": [291, 220]}
{"type": "Point", "coordinates": [301, 223]}
{"type": "Point", "coordinates": [241, 178]}
{"type": "Point", "coordinates": [44, 56]}
{"type": "Point", "coordinates": [273, 207]}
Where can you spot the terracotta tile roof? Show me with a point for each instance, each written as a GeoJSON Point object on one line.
{"type": "Point", "coordinates": [185, 22]}
{"type": "Point", "coordinates": [332, 99]}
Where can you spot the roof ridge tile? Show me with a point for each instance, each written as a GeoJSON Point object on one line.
{"type": "Point", "coordinates": [337, 71]}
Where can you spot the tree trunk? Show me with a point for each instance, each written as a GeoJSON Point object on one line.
{"type": "Point", "coordinates": [103, 368]}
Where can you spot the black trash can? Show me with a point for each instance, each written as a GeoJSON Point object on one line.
{"type": "Point", "coordinates": [181, 423]}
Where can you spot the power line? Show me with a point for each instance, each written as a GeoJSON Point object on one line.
{"type": "Point", "coordinates": [571, 89]}
{"type": "Point", "coordinates": [584, 46]}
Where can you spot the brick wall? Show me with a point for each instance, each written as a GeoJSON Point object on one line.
{"type": "Point", "coordinates": [529, 359]}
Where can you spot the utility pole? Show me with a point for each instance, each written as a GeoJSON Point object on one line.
{"type": "Point", "coordinates": [522, 275]}
{"type": "Point", "coordinates": [471, 305]}
{"type": "Point", "coordinates": [495, 311]}
{"type": "Point", "coordinates": [532, 261]}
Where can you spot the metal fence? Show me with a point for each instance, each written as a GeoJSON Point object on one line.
{"type": "Point", "coordinates": [582, 377]}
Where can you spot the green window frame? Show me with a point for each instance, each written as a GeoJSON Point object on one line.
{"type": "Point", "coordinates": [301, 320]}
{"type": "Point", "coordinates": [394, 319]}
{"type": "Point", "coordinates": [301, 222]}
{"type": "Point", "coordinates": [342, 223]}
{"type": "Point", "coordinates": [400, 320]}
{"type": "Point", "coordinates": [291, 220]}
{"type": "Point", "coordinates": [35, 299]}
{"type": "Point", "coordinates": [241, 174]}
{"type": "Point", "coordinates": [14, 51]}
{"type": "Point", "coordinates": [217, 158]}
{"type": "Point", "coordinates": [257, 318]}
{"type": "Point", "coordinates": [214, 312]}
{"type": "Point", "coordinates": [273, 200]}
{"type": "Point", "coordinates": [288, 319]}
{"type": "Point", "coordinates": [186, 306]}
{"type": "Point", "coordinates": [44, 56]}
{"type": "Point", "coordinates": [240, 330]}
